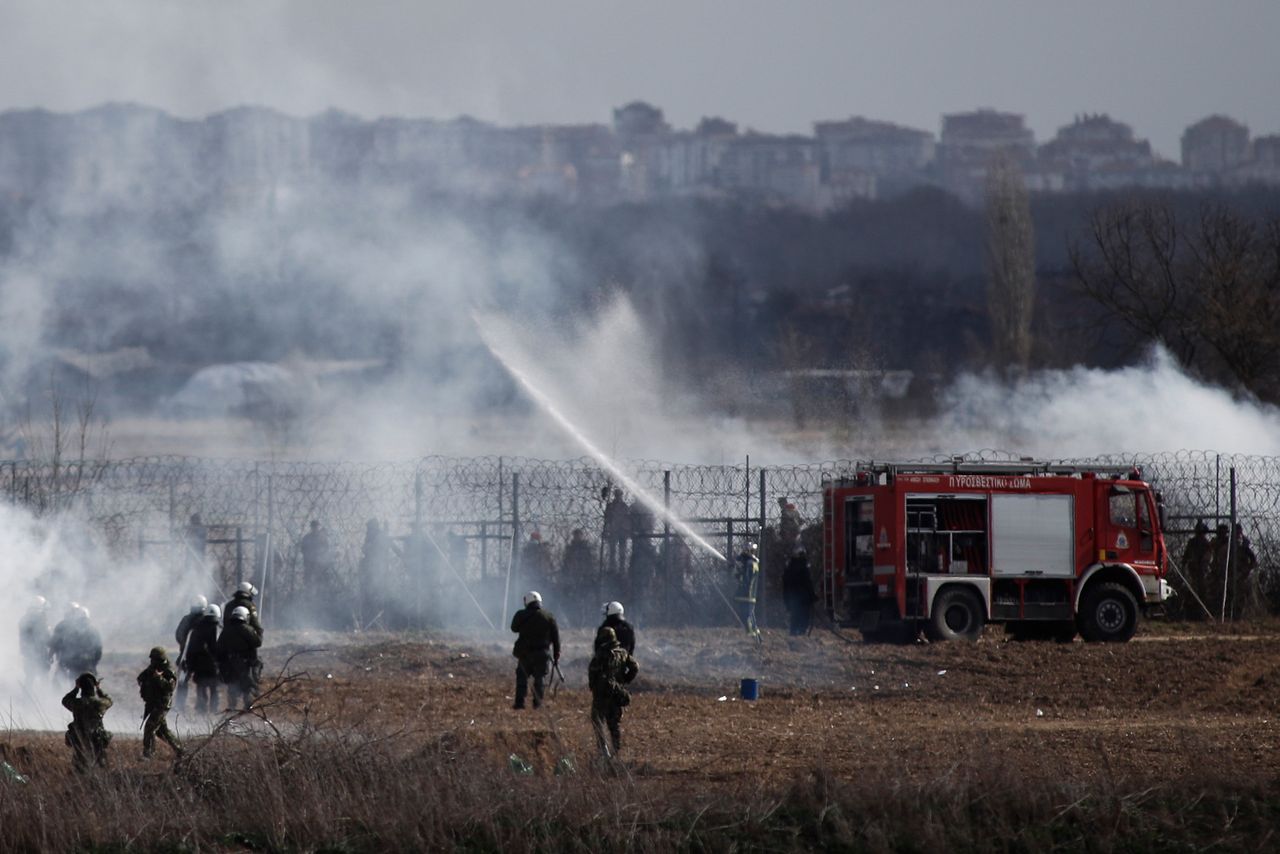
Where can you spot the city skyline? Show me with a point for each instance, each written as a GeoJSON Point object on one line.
{"type": "Point", "coordinates": [1158, 66]}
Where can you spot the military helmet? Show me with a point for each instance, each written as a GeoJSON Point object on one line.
{"type": "Point", "coordinates": [613, 609]}
{"type": "Point", "coordinates": [198, 605]}
{"type": "Point", "coordinates": [606, 636]}
{"type": "Point", "coordinates": [239, 613]}
{"type": "Point", "coordinates": [158, 654]}
{"type": "Point", "coordinates": [531, 597]}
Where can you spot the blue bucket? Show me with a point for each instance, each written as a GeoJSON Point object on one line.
{"type": "Point", "coordinates": [750, 689]}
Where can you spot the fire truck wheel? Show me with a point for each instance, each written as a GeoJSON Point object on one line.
{"type": "Point", "coordinates": [957, 615]}
{"type": "Point", "coordinates": [1109, 613]}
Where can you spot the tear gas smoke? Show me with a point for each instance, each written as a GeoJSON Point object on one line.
{"type": "Point", "coordinates": [1150, 407]}
{"type": "Point", "coordinates": [134, 604]}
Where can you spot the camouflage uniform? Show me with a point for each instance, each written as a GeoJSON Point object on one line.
{"type": "Point", "coordinates": [156, 686]}
{"type": "Point", "coordinates": [238, 661]}
{"type": "Point", "coordinates": [86, 735]}
{"type": "Point", "coordinates": [537, 646]}
{"type": "Point", "coordinates": [611, 668]}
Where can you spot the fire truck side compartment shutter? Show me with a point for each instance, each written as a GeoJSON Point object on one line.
{"type": "Point", "coordinates": [1033, 535]}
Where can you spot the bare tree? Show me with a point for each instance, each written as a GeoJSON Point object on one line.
{"type": "Point", "coordinates": [1208, 290]}
{"type": "Point", "coordinates": [70, 443]}
{"type": "Point", "coordinates": [1011, 264]}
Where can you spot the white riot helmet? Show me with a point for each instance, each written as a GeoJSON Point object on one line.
{"type": "Point", "coordinates": [198, 605]}
{"type": "Point", "coordinates": [239, 614]}
{"type": "Point", "coordinates": [39, 603]}
{"type": "Point", "coordinates": [214, 611]}
{"type": "Point", "coordinates": [613, 609]}
{"type": "Point", "coordinates": [84, 612]}
{"type": "Point", "coordinates": [246, 587]}
{"type": "Point", "coordinates": [531, 597]}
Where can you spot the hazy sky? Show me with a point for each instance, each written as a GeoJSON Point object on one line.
{"type": "Point", "coordinates": [773, 66]}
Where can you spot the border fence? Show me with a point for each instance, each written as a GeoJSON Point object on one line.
{"type": "Point", "coordinates": [448, 538]}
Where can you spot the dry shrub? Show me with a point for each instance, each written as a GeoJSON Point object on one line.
{"type": "Point", "coordinates": [310, 788]}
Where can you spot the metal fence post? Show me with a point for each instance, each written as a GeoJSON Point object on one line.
{"type": "Point", "coordinates": [764, 576]}
{"type": "Point", "coordinates": [513, 566]}
{"type": "Point", "coordinates": [417, 498]}
{"type": "Point", "coordinates": [666, 542]}
{"type": "Point", "coordinates": [239, 555]}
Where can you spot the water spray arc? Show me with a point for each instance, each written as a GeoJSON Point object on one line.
{"type": "Point", "coordinates": [549, 406]}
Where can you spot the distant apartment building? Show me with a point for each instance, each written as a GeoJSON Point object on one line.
{"type": "Point", "coordinates": [772, 168]}
{"type": "Point", "coordinates": [1215, 145]}
{"type": "Point", "coordinates": [641, 131]}
{"type": "Point", "coordinates": [690, 161]}
{"type": "Point", "coordinates": [971, 141]}
{"type": "Point", "coordinates": [1263, 165]}
{"type": "Point", "coordinates": [864, 158]}
{"type": "Point", "coordinates": [1096, 152]}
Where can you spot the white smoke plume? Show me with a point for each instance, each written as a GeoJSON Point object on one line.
{"type": "Point", "coordinates": [1149, 407]}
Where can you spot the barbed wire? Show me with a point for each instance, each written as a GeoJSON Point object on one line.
{"type": "Point", "coordinates": [490, 508]}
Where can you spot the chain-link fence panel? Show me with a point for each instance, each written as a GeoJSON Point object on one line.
{"type": "Point", "coordinates": [487, 528]}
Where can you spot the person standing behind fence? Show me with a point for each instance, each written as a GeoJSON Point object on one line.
{"type": "Point", "coordinates": [797, 592]}
{"type": "Point", "coordinates": [1195, 565]}
{"type": "Point", "coordinates": [617, 529]}
{"type": "Point", "coordinates": [748, 585]}
{"type": "Point", "coordinates": [376, 589]}
{"type": "Point", "coordinates": [195, 538]}
{"type": "Point", "coordinates": [578, 577]}
{"type": "Point", "coordinates": [789, 525]}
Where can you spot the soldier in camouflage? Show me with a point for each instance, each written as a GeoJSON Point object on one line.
{"type": "Point", "coordinates": [156, 685]}
{"type": "Point", "coordinates": [611, 668]}
{"type": "Point", "coordinates": [86, 735]}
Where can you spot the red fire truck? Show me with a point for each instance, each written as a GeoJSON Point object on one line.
{"type": "Point", "coordinates": [1046, 549]}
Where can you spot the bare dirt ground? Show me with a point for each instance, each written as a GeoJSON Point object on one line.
{"type": "Point", "coordinates": [1179, 700]}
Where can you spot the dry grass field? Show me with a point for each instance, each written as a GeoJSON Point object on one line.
{"type": "Point", "coordinates": [1170, 742]}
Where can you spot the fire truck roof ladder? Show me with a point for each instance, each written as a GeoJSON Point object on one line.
{"type": "Point", "coordinates": [996, 467]}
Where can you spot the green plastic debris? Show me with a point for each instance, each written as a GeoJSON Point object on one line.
{"type": "Point", "coordinates": [565, 767]}
{"type": "Point", "coordinates": [518, 765]}
{"type": "Point", "coordinates": [11, 774]}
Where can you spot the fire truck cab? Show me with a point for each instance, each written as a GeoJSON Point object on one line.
{"type": "Point", "coordinates": [1049, 550]}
